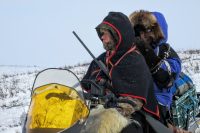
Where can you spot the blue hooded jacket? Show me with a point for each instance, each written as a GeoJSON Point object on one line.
{"type": "Point", "coordinates": [172, 64]}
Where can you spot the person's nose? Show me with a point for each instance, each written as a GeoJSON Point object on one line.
{"type": "Point", "coordinates": [103, 37]}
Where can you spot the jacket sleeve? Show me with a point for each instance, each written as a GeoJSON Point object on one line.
{"type": "Point", "coordinates": [169, 68]}
{"type": "Point", "coordinates": [92, 73]}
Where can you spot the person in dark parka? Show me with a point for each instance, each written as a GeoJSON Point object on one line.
{"type": "Point", "coordinates": [130, 76]}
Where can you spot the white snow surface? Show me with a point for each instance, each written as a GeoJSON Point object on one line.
{"type": "Point", "coordinates": [16, 84]}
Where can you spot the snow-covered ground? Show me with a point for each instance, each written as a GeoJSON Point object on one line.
{"type": "Point", "coordinates": [16, 84]}
{"type": "Point", "coordinates": [191, 66]}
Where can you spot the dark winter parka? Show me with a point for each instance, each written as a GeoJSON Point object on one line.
{"type": "Point", "coordinates": [162, 60]}
{"type": "Point", "coordinates": [129, 73]}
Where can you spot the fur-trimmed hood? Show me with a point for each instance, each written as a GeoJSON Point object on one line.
{"type": "Point", "coordinates": [154, 20]}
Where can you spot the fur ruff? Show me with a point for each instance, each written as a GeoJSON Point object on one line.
{"type": "Point", "coordinates": [103, 120]}
{"type": "Point", "coordinates": [147, 19]}
{"type": "Point", "coordinates": [142, 17]}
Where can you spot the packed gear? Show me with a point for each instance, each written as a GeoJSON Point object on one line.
{"type": "Point", "coordinates": [185, 105]}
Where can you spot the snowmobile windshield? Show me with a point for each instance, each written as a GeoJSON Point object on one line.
{"type": "Point", "coordinates": [55, 104]}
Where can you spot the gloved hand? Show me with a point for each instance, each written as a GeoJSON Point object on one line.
{"type": "Point", "coordinates": [106, 84]}
{"type": "Point", "coordinates": [148, 52]}
{"type": "Point", "coordinates": [142, 46]}
{"type": "Point", "coordinates": [127, 109]}
{"type": "Point", "coordinates": [98, 87]}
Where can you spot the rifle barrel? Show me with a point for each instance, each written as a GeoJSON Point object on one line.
{"type": "Point", "coordinates": [101, 65]}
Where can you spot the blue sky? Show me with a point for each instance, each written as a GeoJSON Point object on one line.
{"type": "Point", "coordinates": [39, 32]}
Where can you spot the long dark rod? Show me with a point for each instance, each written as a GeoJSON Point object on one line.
{"type": "Point", "coordinates": [100, 64]}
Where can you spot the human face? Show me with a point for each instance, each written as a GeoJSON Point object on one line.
{"type": "Point", "coordinates": [148, 36]}
{"type": "Point", "coordinates": [107, 40]}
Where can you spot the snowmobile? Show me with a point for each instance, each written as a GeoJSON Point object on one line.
{"type": "Point", "coordinates": [58, 104]}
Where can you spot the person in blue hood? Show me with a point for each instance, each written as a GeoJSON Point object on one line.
{"type": "Point", "coordinates": [151, 32]}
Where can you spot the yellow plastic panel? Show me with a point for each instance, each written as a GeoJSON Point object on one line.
{"type": "Point", "coordinates": [55, 106]}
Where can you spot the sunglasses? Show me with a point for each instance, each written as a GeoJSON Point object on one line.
{"type": "Point", "coordinates": [141, 28]}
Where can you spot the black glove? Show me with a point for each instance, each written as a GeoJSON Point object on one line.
{"type": "Point", "coordinates": [147, 51]}
{"type": "Point", "coordinates": [107, 84]}
{"type": "Point", "coordinates": [141, 45]}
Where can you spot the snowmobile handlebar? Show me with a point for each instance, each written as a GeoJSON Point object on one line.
{"type": "Point", "coordinates": [97, 93]}
{"type": "Point", "coordinates": [96, 90]}
{"type": "Point", "coordinates": [92, 82]}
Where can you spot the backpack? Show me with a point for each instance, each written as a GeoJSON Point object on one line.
{"type": "Point", "coordinates": [181, 85]}
{"type": "Point", "coordinates": [184, 106]}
